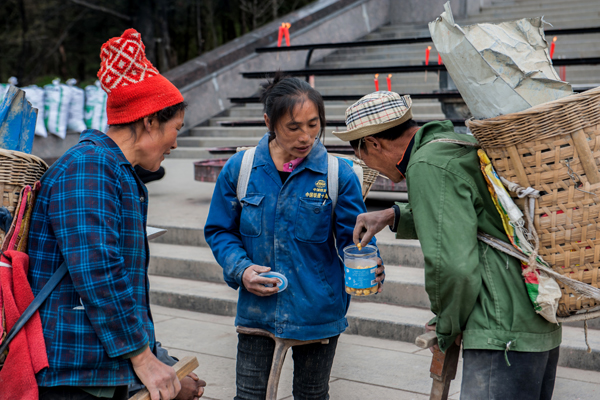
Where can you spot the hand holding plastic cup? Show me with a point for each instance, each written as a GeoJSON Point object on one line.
{"type": "Point", "coordinates": [283, 282]}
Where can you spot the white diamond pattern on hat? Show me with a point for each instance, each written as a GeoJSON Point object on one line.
{"type": "Point", "coordinates": [124, 62]}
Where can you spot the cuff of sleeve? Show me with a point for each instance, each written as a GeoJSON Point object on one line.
{"type": "Point", "coordinates": [406, 226]}
{"type": "Point", "coordinates": [396, 209]}
{"type": "Point", "coordinates": [135, 352]}
{"type": "Point", "coordinates": [433, 321]}
{"type": "Point", "coordinates": [240, 273]}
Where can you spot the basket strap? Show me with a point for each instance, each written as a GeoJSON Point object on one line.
{"type": "Point", "coordinates": [454, 141]}
{"type": "Point", "coordinates": [35, 304]}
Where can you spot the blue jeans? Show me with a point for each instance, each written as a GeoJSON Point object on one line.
{"type": "Point", "coordinates": [486, 376]}
{"type": "Point", "coordinates": [312, 367]}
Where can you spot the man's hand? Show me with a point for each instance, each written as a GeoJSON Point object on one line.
{"type": "Point", "coordinates": [368, 224]}
{"type": "Point", "coordinates": [379, 275]}
{"type": "Point", "coordinates": [255, 284]}
{"type": "Point", "coordinates": [430, 328]}
{"type": "Point", "coordinates": [160, 379]}
{"type": "Point", "coordinates": [192, 387]}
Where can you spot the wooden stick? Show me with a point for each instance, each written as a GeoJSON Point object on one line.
{"type": "Point", "coordinates": [281, 348]}
{"type": "Point", "coordinates": [516, 163]}
{"type": "Point", "coordinates": [186, 365]}
{"type": "Point", "coordinates": [443, 365]}
{"type": "Point", "coordinates": [586, 157]}
{"type": "Point", "coordinates": [426, 340]}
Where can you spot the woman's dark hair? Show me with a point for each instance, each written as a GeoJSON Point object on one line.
{"type": "Point", "coordinates": [282, 94]}
{"type": "Point", "coordinates": [392, 133]}
{"type": "Point", "coordinates": [164, 115]}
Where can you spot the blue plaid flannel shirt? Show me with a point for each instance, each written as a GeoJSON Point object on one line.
{"type": "Point", "coordinates": [91, 212]}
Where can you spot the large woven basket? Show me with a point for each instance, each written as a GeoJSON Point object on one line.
{"type": "Point", "coordinates": [555, 148]}
{"type": "Point", "coordinates": [17, 169]}
{"type": "Point", "coordinates": [369, 174]}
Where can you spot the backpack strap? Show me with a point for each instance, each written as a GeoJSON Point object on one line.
{"type": "Point", "coordinates": [34, 305]}
{"type": "Point", "coordinates": [454, 141]}
{"type": "Point", "coordinates": [332, 179]}
{"type": "Point", "coordinates": [244, 175]}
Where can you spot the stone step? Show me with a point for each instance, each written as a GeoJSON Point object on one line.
{"type": "Point", "coordinates": [218, 122]}
{"type": "Point", "coordinates": [558, 11]}
{"type": "Point", "coordinates": [517, 5]}
{"type": "Point", "coordinates": [193, 153]}
{"type": "Point", "coordinates": [394, 252]}
{"type": "Point", "coordinates": [590, 20]}
{"type": "Point", "coordinates": [404, 286]}
{"type": "Point", "coordinates": [256, 110]}
{"type": "Point", "coordinates": [366, 319]}
{"type": "Point", "coordinates": [228, 140]}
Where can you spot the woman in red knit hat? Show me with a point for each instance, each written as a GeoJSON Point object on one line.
{"type": "Point", "coordinates": [91, 215]}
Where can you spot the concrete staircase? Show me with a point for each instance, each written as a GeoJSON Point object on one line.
{"type": "Point", "coordinates": [183, 271]}
{"type": "Point", "coordinates": [577, 13]}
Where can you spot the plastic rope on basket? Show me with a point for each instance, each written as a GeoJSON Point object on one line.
{"type": "Point", "coordinates": [543, 291]}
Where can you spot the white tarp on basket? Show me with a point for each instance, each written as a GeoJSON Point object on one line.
{"type": "Point", "coordinates": [498, 68]}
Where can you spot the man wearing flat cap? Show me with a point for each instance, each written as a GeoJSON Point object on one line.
{"type": "Point", "coordinates": [476, 292]}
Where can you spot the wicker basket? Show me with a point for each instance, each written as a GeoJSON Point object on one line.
{"type": "Point", "coordinates": [369, 174]}
{"type": "Point", "coordinates": [555, 148]}
{"type": "Point", "coordinates": [17, 169]}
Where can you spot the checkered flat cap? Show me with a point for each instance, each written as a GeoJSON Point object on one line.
{"type": "Point", "coordinates": [374, 113]}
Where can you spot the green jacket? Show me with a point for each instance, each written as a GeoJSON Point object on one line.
{"type": "Point", "coordinates": [473, 288]}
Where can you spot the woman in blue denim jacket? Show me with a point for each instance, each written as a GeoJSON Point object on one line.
{"type": "Point", "coordinates": [285, 224]}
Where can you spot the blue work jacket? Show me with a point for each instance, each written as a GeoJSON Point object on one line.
{"type": "Point", "coordinates": [290, 228]}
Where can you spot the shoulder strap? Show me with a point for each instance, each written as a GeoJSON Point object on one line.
{"type": "Point", "coordinates": [244, 175]}
{"type": "Point", "coordinates": [332, 179]}
{"type": "Point", "coordinates": [35, 304]}
{"type": "Point", "coordinates": [454, 141]}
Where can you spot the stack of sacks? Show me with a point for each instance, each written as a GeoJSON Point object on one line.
{"type": "Point", "coordinates": [76, 106]}
{"type": "Point", "coordinates": [58, 99]}
{"type": "Point", "coordinates": [4, 86]}
{"type": "Point", "coordinates": [95, 107]}
{"type": "Point", "coordinates": [35, 95]}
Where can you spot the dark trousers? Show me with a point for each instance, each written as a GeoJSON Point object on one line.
{"type": "Point", "coordinates": [312, 367]}
{"type": "Point", "coordinates": [486, 376]}
{"type": "Point", "coordinates": [75, 393]}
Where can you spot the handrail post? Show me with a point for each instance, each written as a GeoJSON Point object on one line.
{"type": "Point", "coordinates": [307, 62]}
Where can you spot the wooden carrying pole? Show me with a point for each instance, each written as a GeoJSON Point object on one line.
{"type": "Point", "coordinates": [281, 348]}
{"type": "Point", "coordinates": [443, 365]}
{"type": "Point", "coordinates": [183, 368]}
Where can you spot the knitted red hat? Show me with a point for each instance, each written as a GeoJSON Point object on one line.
{"type": "Point", "coordinates": [135, 88]}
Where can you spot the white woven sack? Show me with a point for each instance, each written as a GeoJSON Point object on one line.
{"type": "Point", "coordinates": [4, 86]}
{"type": "Point", "coordinates": [35, 95]}
{"type": "Point", "coordinates": [76, 106]}
{"type": "Point", "coordinates": [95, 107]}
{"type": "Point", "coordinates": [56, 112]}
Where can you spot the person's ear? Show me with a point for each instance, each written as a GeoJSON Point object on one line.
{"type": "Point", "coordinates": [373, 143]}
{"type": "Point", "coordinates": [267, 121]}
{"type": "Point", "coordinates": [148, 123]}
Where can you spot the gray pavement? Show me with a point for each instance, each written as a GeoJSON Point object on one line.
{"type": "Point", "coordinates": [364, 367]}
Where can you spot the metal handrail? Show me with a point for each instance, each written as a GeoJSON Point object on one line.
{"type": "Point", "coordinates": [432, 67]}
{"type": "Point", "coordinates": [450, 94]}
{"type": "Point", "coordinates": [387, 42]}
